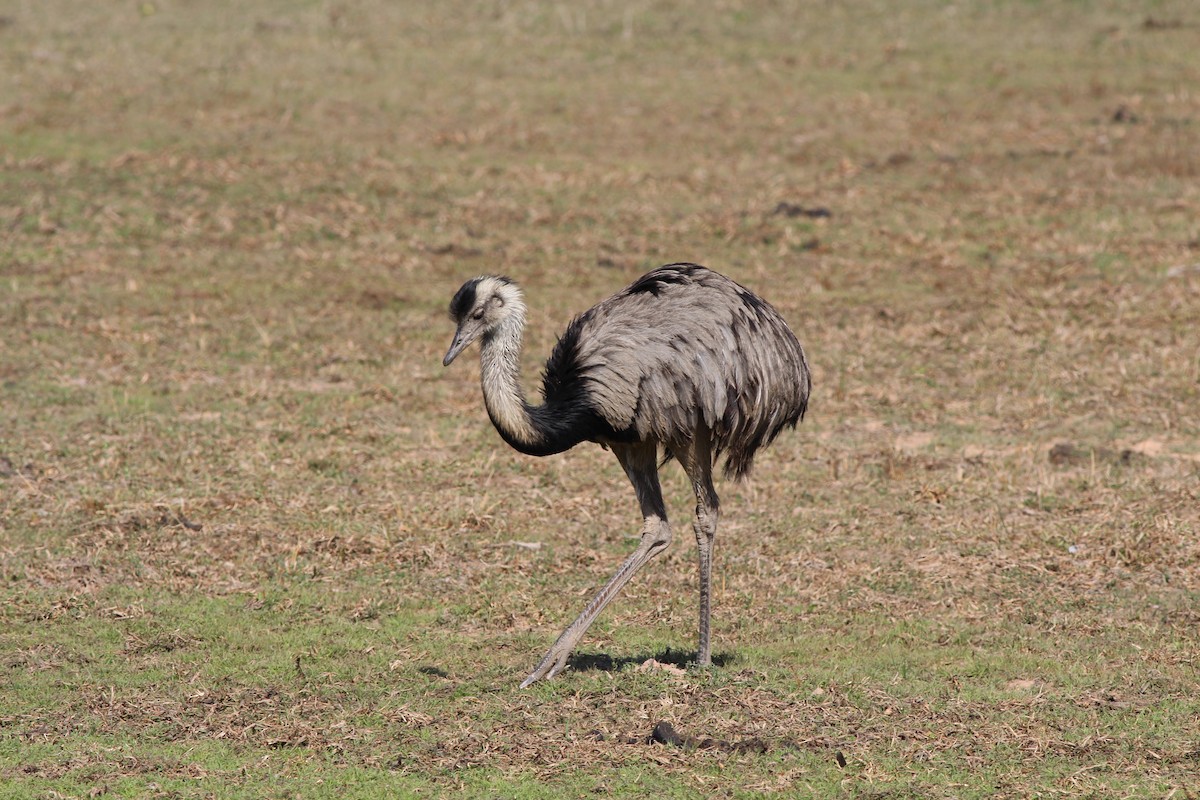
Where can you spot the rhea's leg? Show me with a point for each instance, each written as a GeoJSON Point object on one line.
{"type": "Point", "coordinates": [697, 461]}
{"type": "Point", "coordinates": [641, 465]}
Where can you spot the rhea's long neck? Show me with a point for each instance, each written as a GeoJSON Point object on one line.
{"type": "Point", "coordinates": [500, 363]}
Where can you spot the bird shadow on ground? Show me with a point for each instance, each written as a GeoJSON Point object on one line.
{"type": "Point", "coordinates": [603, 662]}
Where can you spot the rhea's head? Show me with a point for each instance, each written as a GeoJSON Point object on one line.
{"type": "Point", "coordinates": [482, 306]}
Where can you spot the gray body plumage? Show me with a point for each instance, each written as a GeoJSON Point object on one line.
{"type": "Point", "coordinates": [682, 363]}
{"type": "Point", "coordinates": [685, 349]}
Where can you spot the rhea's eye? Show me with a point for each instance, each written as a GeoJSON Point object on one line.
{"type": "Point", "coordinates": [477, 314]}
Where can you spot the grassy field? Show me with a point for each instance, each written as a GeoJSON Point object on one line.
{"type": "Point", "coordinates": [256, 542]}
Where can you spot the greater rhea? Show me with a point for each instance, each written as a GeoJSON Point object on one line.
{"type": "Point", "coordinates": [682, 363]}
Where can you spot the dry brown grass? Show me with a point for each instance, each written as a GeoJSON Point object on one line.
{"type": "Point", "coordinates": [252, 528]}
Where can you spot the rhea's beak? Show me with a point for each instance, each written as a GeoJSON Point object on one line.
{"type": "Point", "coordinates": [465, 334]}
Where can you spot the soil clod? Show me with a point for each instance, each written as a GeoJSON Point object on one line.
{"type": "Point", "coordinates": [796, 210]}
{"type": "Point", "coordinates": [664, 733]}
